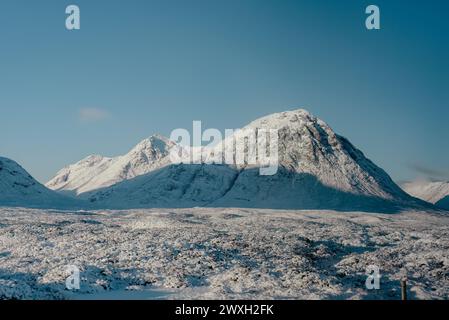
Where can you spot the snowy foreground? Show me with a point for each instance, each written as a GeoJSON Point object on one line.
{"type": "Point", "coordinates": [221, 253]}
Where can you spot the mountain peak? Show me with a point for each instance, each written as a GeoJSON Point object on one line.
{"type": "Point", "coordinates": [96, 172]}
{"type": "Point", "coordinates": [292, 118]}
{"type": "Point", "coordinates": [92, 159]}
{"type": "Point", "coordinates": [155, 142]}
{"type": "Point", "coordinates": [302, 113]}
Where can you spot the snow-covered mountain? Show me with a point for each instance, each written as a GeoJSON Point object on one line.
{"type": "Point", "coordinates": [436, 192]}
{"type": "Point", "coordinates": [427, 190]}
{"type": "Point", "coordinates": [95, 172]}
{"type": "Point", "coordinates": [317, 169]}
{"type": "Point", "coordinates": [19, 188]}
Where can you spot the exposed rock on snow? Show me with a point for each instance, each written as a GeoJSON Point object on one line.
{"type": "Point", "coordinates": [19, 188]}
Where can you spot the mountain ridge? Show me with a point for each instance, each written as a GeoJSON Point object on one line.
{"type": "Point", "coordinates": [430, 191]}
{"type": "Point", "coordinates": [314, 161]}
{"type": "Point", "coordinates": [95, 171]}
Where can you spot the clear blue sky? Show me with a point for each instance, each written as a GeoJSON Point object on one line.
{"type": "Point", "coordinates": [149, 67]}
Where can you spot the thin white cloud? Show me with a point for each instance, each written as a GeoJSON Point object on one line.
{"type": "Point", "coordinates": [430, 173]}
{"type": "Point", "coordinates": [93, 114]}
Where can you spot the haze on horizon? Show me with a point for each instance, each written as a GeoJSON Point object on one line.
{"type": "Point", "coordinates": [150, 67]}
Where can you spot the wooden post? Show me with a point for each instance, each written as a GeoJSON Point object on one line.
{"type": "Point", "coordinates": [404, 289]}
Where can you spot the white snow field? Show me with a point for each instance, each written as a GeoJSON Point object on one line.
{"type": "Point", "coordinates": [200, 253]}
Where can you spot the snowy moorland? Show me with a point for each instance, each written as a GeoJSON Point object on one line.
{"type": "Point", "coordinates": [222, 253]}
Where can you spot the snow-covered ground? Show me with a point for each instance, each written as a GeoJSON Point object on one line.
{"type": "Point", "coordinates": [222, 253]}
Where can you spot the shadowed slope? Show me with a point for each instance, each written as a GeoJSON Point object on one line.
{"type": "Point", "coordinates": [222, 186]}
{"type": "Point", "coordinates": [19, 188]}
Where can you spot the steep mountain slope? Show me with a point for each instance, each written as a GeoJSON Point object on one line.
{"type": "Point", "coordinates": [95, 172]}
{"type": "Point", "coordinates": [443, 203]}
{"type": "Point", "coordinates": [317, 169]}
{"type": "Point", "coordinates": [426, 190]}
{"type": "Point", "coordinates": [171, 186]}
{"type": "Point", "coordinates": [18, 188]}
{"type": "Point", "coordinates": [307, 145]}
